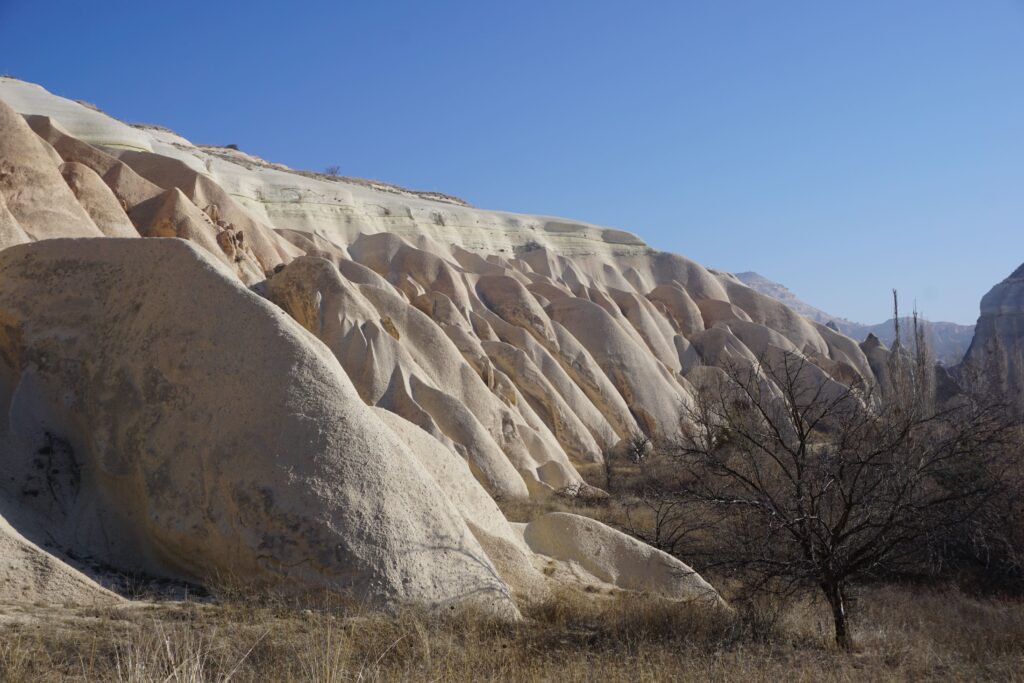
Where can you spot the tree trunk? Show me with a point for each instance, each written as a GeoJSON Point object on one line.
{"type": "Point", "coordinates": [837, 601]}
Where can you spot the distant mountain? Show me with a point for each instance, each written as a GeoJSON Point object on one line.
{"type": "Point", "coordinates": [780, 292]}
{"type": "Point", "coordinates": [949, 341]}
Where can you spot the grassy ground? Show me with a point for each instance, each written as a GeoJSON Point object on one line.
{"type": "Point", "coordinates": [901, 635]}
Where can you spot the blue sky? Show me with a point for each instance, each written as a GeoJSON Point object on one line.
{"type": "Point", "coordinates": [842, 148]}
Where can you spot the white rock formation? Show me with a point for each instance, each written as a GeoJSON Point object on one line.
{"type": "Point", "coordinates": [203, 432]}
{"type": "Point", "coordinates": [223, 429]}
{"type": "Point", "coordinates": [614, 557]}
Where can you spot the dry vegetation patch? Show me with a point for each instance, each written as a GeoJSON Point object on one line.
{"type": "Point", "coordinates": [909, 635]}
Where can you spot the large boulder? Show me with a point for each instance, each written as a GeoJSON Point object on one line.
{"type": "Point", "coordinates": [162, 418]}
{"type": "Point", "coordinates": [615, 558]}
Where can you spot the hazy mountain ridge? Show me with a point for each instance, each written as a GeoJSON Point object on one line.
{"type": "Point", "coordinates": [949, 341]}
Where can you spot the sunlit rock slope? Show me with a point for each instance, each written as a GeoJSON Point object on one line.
{"type": "Point", "coordinates": [335, 375]}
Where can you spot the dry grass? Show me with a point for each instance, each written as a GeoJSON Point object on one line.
{"type": "Point", "coordinates": [617, 510]}
{"type": "Point", "coordinates": [530, 509]}
{"type": "Point", "coordinates": [903, 635]}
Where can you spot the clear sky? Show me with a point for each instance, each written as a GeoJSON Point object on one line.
{"type": "Point", "coordinates": [842, 148]}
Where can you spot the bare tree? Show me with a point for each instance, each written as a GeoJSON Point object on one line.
{"type": "Point", "coordinates": [610, 456]}
{"type": "Point", "coordinates": [637, 448]}
{"type": "Point", "coordinates": [924, 364]}
{"type": "Point", "coordinates": [662, 519]}
{"type": "Point", "coordinates": [801, 481]}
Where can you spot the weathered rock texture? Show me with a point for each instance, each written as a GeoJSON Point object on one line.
{"type": "Point", "coordinates": [996, 355]}
{"type": "Point", "coordinates": [209, 428]}
{"type": "Point", "coordinates": [209, 433]}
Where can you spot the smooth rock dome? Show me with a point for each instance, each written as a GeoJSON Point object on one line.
{"type": "Point", "coordinates": [211, 434]}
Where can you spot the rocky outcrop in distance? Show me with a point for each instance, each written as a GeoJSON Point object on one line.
{"type": "Point", "coordinates": [947, 341]}
{"type": "Point", "coordinates": [996, 355]}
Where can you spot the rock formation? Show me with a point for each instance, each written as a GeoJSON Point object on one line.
{"type": "Point", "coordinates": [325, 383]}
{"type": "Point", "coordinates": [996, 355]}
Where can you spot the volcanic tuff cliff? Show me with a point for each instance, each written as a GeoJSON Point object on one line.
{"type": "Point", "coordinates": [330, 381]}
{"type": "Point", "coordinates": [997, 351]}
